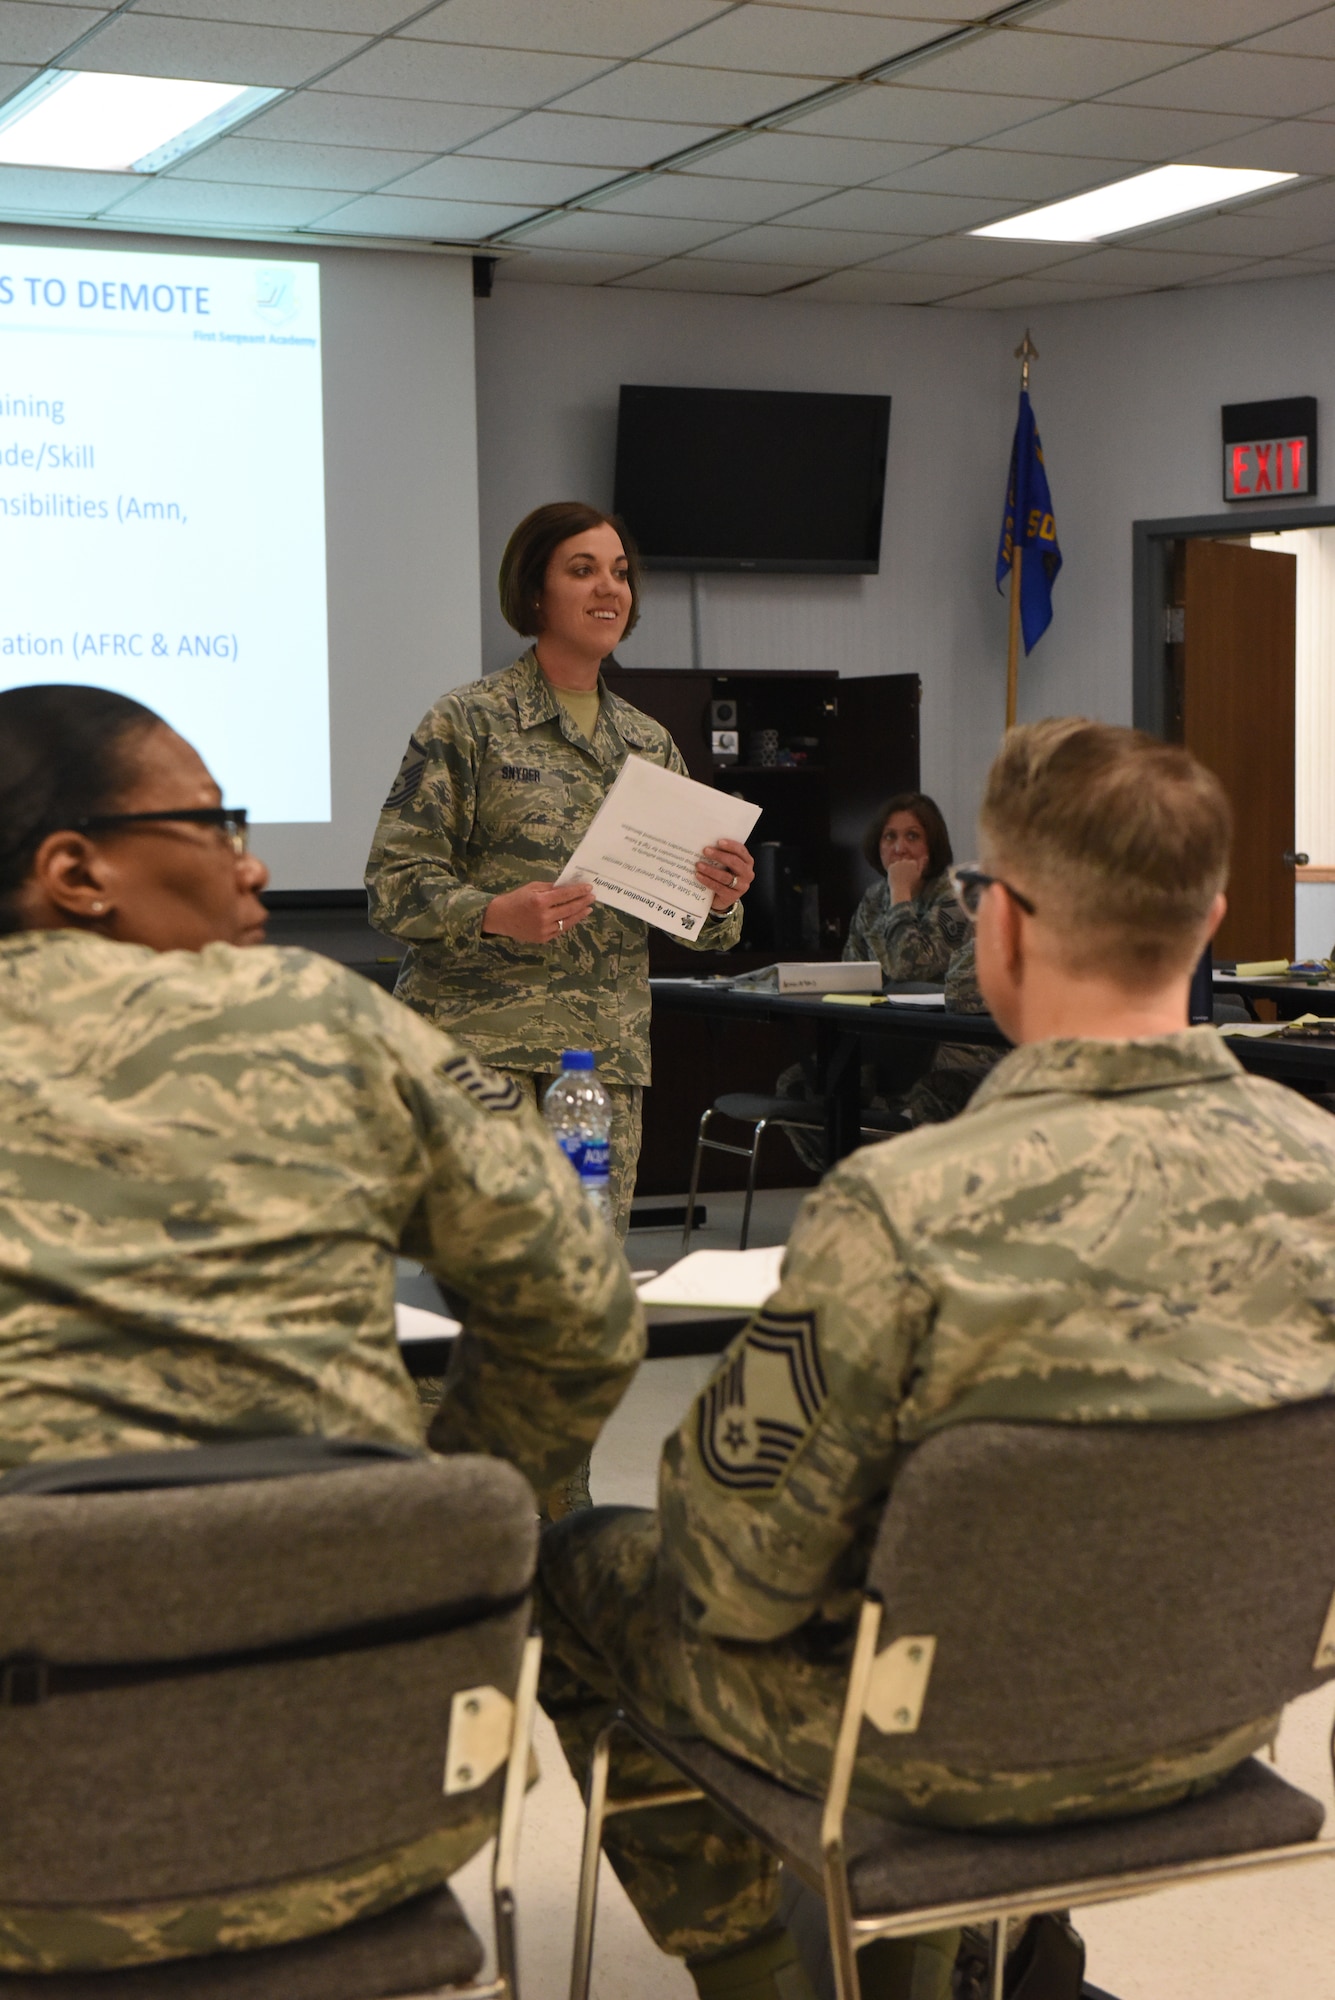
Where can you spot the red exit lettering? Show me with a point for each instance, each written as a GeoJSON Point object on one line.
{"type": "Point", "coordinates": [1265, 468]}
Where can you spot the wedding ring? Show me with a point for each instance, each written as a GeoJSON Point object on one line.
{"type": "Point", "coordinates": [560, 923]}
{"type": "Point", "coordinates": [734, 881]}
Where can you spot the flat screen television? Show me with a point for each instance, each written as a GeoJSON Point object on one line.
{"type": "Point", "coordinates": [753, 479]}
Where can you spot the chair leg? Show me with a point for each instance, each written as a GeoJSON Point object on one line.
{"type": "Point", "coordinates": [586, 1906]}
{"type": "Point", "coordinates": [751, 1184]}
{"type": "Point", "coordinates": [997, 1984]}
{"type": "Point", "coordinates": [695, 1179]}
{"type": "Point", "coordinates": [505, 1864]}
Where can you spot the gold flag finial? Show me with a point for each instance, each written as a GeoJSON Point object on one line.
{"type": "Point", "coordinates": [1024, 354]}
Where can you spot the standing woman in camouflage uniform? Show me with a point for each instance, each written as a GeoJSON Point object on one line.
{"type": "Point", "coordinates": [499, 782]}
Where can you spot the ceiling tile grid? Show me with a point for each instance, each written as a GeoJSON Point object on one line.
{"type": "Point", "coordinates": [836, 149]}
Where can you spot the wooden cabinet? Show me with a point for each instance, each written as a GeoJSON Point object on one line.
{"type": "Point", "coordinates": [842, 747]}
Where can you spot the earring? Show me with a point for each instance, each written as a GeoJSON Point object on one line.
{"type": "Point", "coordinates": [97, 908]}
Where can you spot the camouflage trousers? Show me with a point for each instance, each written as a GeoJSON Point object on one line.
{"type": "Point", "coordinates": [627, 1125]}
{"type": "Point", "coordinates": [950, 1080]}
{"type": "Point", "coordinates": [616, 1625]}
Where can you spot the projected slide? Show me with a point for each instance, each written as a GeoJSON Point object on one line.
{"type": "Point", "coordinates": [162, 501]}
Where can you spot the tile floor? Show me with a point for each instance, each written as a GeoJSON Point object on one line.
{"type": "Point", "coordinates": [1267, 1937]}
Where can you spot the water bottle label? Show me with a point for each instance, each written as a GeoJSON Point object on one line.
{"type": "Point", "coordinates": [591, 1158]}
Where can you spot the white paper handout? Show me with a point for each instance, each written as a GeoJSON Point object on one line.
{"type": "Point", "coordinates": [641, 849]}
{"type": "Point", "coordinates": [740, 1279]}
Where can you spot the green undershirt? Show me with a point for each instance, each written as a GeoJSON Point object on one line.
{"type": "Point", "coordinates": [581, 705]}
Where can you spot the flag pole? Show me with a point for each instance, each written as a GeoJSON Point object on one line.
{"type": "Point", "coordinates": [1024, 354]}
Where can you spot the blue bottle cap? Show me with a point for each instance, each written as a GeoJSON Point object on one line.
{"type": "Point", "coordinates": [577, 1059]}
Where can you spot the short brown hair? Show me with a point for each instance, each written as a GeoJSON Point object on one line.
{"type": "Point", "coordinates": [532, 546]}
{"type": "Point", "coordinates": [929, 816]}
{"type": "Point", "coordinates": [1128, 837]}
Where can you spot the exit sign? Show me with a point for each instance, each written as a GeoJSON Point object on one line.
{"type": "Point", "coordinates": [1269, 449]}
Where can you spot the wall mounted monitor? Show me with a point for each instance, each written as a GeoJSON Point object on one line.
{"type": "Point", "coordinates": [753, 479]}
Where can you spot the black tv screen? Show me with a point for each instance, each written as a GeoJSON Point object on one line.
{"type": "Point", "coordinates": [751, 479]}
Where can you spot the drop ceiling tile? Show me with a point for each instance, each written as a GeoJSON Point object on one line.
{"type": "Point", "coordinates": [1226, 80]}
{"type": "Point", "coordinates": [564, 267]}
{"type": "Point", "coordinates": [11, 76]}
{"type": "Point", "coordinates": [325, 117]}
{"type": "Point", "coordinates": [430, 221]}
{"type": "Point", "coordinates": [1206, 23]}
{"type": "Point", "coordinates": [693, 274]}
{"type": "Point", "coordinates": [222, 203]}
{"type": "Point", "coordinates": [30, 34]}
{"type": "Point", "coordinates": [798, 41]}
{"type": "Point", "coordinates": [706, 200]}
{"type": "Point", "coordinates": [981, 258]}
{"type": "Point", "coordinates": [220, 51]}
{"type": "Point", "coordinates": [1314, 35]}
{"type": "Point", "coordinates": [1148, 270]}
{"type": "Point", "coordinates": [456, 75]}
{"type": "Point", "coordinates": [685, 95]}
{"type": "Point", "coordinates": [1269, 267]}
{"type": "Point", "coordinates": [586, 142]}
{"type": "Point", "coordinates": [1126, 132]}
{"type": "Point", "coordinates": [278, 163]}
{"type": "Point", "coordinates": [949, 118]}
{"type": "Point", "coordinates": [901, 214]}
{"type": "Point", "coordinates": [1300, 146]}
{"type": "Point", "coordinates": [1036, 291]}
{"type": "Point", "coordinates": [1270, 228]}
{"type": "Point", "coordinates": [865, 287]}
{"type": "Point", "coordinates": [774, 243]}
{"type": "Point", "coordinates": [572, 27]}
{"type": "Point", "coordinates": [1028, 62]}
{"type": "Point", "coordinates": [982, 170]}
{"type": "Point", "coordinates": [800, 156]}
{"type": "Point", "coordinates": [628, 235]}
{"type": "Point", "coordinates": [352, 17]}
{"type": "Point", "coordinates": [28, 191]}
{"type": "Point", "coordinates": [943, 15]}
{"type": "Point", "coordinates": [534, 184]}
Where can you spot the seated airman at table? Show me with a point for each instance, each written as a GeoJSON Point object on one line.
{"type": "Point", "coordinates": [1122, 1226]}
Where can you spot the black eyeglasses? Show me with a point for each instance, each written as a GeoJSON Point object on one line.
{"type": "Point", "coordinates": [228, 821]}
{"type": "Point", "coordinates": [970, 884]}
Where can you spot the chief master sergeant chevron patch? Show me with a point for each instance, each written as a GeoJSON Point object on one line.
{"type": "Point", "coordinates": [764, 1399]}
{"type": "Point", "coordinates": [493, 1091]}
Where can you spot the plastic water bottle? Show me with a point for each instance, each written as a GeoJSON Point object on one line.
{"type": "Point", "coordinates": [579, 1116]}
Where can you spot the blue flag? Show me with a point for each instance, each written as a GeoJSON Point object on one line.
{"type": "Point", "coordinates": [1030, 527]}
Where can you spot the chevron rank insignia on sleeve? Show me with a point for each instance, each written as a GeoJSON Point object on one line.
{"type": "Point", "coordinates": [410, 777]}
{"type": "Point", "coordinates": [755, 1414]}
{"type": "Point", "coordinates": [493, 1091]}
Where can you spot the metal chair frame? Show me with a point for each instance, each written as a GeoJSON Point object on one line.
{"type": "Point", "coordinates": [751, 1153]}
{"type": "Point", "coordinates": [505, 1861]}
{"type": "Point", "coordinates": [848, 1931]}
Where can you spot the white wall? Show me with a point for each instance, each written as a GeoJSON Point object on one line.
{"type": "Point", "coordinates": [1127, 393]}
{"type": "Point", "coordinates": [550, 360]}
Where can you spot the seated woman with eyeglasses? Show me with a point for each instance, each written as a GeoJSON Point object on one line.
{"type": "Point", "coordinates": [210, 1158]}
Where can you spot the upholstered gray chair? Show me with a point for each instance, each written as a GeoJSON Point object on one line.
{"type": "Point", "coordinates": [1044, 1595]}
{"type": "Point", "coordinates": [249, 1678]}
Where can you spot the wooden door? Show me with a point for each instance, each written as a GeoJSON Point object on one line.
{"type": "Point", "coordinates": [1237, 717]}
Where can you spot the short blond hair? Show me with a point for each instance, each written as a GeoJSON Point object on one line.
{"type": "Point", "coordinates": [1123, 838]}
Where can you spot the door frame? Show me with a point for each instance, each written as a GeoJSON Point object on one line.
{"type": "Point", "coordinates": [1151, 586]}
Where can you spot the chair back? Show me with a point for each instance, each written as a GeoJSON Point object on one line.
{"type": "Point", "coordinates": [225, 1684]}
{"type": "Point", "coordinates": [1112, 1590]}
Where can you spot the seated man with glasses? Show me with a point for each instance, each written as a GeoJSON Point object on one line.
{"type": "Point", "coordinates": [209, 1161]}
{"type": "Point", "coordinates": [1122, 1226]}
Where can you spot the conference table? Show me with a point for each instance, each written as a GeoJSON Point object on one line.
{"type": "Point", "coordinates": [849, 1034]}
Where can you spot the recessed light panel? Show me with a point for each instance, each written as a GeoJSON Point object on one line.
{"type": "Point", "coordinates": [1133, 204]}
{"type": "Point", "coordinates": [118, 124]}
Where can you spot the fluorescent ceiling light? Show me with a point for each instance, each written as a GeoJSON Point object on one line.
{"type": "Point", "coordinates": [118, 124]}
{"type": "Point", "coordinates": [1132, 204]}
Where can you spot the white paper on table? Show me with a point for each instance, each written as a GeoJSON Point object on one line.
{"type": "Point", "coordinates": [416, 1323]}
{"type": "Point", "coordinates": [742, 1279]}
{"type": "Point", "coordinates": [641, 849]}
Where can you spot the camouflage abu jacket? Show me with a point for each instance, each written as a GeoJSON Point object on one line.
{"type": "Point", "coordinates": [913, 940]}
{"type": "Point", "coordinates": [497, 787]}
{"type": "Point", "coordinates": [1110, 1232]}
{"type": "Point", "coordinates": [208, 1164]}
